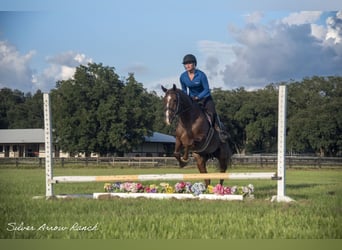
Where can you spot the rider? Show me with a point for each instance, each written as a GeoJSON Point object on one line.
{"type": "Point", "coordinates": [196, 82]}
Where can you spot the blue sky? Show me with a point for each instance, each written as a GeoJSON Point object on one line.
{"type": "Point", "coordinates": [246, 44]}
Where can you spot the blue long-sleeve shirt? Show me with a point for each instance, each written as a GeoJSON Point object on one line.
{"type": "Point", "coordinates": [199, 86]}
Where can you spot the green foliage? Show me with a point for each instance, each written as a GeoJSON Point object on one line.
{"type": "Point", "coordinates": [137, 113]}
{"type": "Point", "coordinates": [96, 111]}
{"type": "Point", "coordinates": [19, 110]}
{"type": "Point", "coordinates": [315, 116]}
{"type": "Point", "coordinates": [250, 118]}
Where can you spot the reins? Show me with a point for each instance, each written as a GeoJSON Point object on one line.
{"type": "Point", "coordinates": [177, 111]}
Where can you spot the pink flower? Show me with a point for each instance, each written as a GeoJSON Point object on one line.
{"type": "Point", "coordinates": [218, 189]}
{"type": "Point", "coordinates": [180, 187]}
{"type": "Point", "coordinates": [140, 188]}
{"type": "Point", "coordinates": [227, 190]}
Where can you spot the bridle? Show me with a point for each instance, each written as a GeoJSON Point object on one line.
{"type": "Point", "coordinates": [177, 111]}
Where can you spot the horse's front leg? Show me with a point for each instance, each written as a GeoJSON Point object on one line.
{"type": "Point", "coordinates": [185, 157]}
{"type": "Point", "coordinates": [177, 154]}
{"type": "Point", "coordinates": [187, 142]}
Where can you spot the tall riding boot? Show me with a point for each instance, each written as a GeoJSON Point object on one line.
{"type": "Point", "coordinates": [221, 129]}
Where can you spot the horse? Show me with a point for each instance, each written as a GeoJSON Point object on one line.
{"type": "Point", "coordinates": [194, 132]}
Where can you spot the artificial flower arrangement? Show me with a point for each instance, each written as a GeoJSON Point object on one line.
{"type": "Point", "coordinates": [180, 187]}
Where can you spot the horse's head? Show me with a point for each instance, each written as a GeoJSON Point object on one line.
{"type": "Point", "coordinates": [171, 103]}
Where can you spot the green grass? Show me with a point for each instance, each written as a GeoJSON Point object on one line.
{"type": "Point", "coordinates": [316, 214]}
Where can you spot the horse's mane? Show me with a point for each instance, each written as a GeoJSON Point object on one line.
{"type": "Point", "coordinates": [185, 97]}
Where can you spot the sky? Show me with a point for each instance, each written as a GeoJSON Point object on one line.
{"type": "Point", "coordinates": [243, 43]}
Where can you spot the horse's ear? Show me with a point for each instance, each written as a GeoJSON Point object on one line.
{"type": "Point", "coordinates": [174, 87]}
{"type": "Point", "coordinates": [164, 89]}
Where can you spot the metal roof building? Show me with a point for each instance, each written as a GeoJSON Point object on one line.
{"type": "Point", "coordinates": [30, 143]}
{"type": "Point", "coordinates": [159, 137]}
{"type": "Point", "coordinates": [21, 136]}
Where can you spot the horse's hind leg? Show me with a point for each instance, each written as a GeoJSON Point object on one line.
{"type": "Point", "coordinates": [201, 165]}
{"type": "Point", "coordinates": [223, 162]}
{"type": "Point", "coordinates": [223, 155]}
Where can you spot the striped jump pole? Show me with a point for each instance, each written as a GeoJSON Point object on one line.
{"type": "Point", "coordinates": [164, 177]}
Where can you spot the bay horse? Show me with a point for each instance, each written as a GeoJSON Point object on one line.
{"type": "Point", "coordinates": [194, 132]}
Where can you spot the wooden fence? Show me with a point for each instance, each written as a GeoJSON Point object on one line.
{"type": "Point", "coordinates": [261, 161]}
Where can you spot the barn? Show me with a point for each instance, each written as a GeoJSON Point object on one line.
{"type": "Point", "coordinates": [30, 143]}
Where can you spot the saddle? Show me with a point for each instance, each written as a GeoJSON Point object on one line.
{"type": "Point", "coordinates": [214, 122]}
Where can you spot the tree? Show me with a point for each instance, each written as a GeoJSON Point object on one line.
{"type": "Point", "coordinates": [19, 110]}
{"type": "Point", "coordinates": [258, 118]}
{"type": "Point", "coordinates": [249, 117]}
{"type": "Point", "coordinates": [84, 109]}
{"type": "Point", "coordinates": [97, 112]}
{"type": "Point", "coordinates": [315, 116]}
{"type": "Point", "coordinates": [228, 103]}
{"type": "Point", "coordinates": [35, 112]}
{"type": "Point", "coordinates": [136, 113]}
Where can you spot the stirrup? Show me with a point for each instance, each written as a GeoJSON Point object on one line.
{"type": "Point", "coordinates": [223, 136]}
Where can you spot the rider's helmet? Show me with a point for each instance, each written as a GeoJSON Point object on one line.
{"type": "Point", "coordinates": [189, 58]}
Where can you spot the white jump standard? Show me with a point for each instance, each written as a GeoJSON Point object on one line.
{"type": "Point", "coordinates": [279, 176]}
{"type": "Point", "coordinates": [281, 163]}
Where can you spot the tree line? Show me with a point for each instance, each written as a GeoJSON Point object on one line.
{"type": "Point", "coordinates": [98, 111]}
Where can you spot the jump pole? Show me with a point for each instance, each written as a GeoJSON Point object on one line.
{"type": "Point", "coordinates": [164, 177]}
{"type": "Point", "coordinates": [281, 161]}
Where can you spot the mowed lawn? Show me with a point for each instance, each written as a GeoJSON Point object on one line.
{"type": "Point", "coordinates": [316, 214]}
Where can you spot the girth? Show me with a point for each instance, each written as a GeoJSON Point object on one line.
{"type": "Point", "coordinates": [207, 141]}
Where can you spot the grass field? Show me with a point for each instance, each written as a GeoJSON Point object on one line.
{"type": "Point", "coordinates": [316, 214]}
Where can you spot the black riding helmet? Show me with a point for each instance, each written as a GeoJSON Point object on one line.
{"type": "Point", "coordinates": [189, 58]}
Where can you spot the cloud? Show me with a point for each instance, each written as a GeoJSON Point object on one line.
{"type": "Point", "coordinates": [17, 73]}
{"type": "Point", "coordinates": [303, 17]}
{"type": "Point", "coordinates": [318, 31]}
{"type": "Point", "coordinates": [69, 58]}
{"type": "Point", "coordinates": [216, 56]}
{"type": "Point", "coordinates": [254, 17]}
{"type": "Point", "coordinates": [335, 28]}
{"type": "Point", "coordinates": [15, 70]}
{"type": "Point", "coordinates": [291, 48]}
{"type": "Point", "coordinates": [60, 67]}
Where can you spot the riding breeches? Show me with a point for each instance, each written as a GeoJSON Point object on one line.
{"type": "Point", "coordinates": [209, 106]}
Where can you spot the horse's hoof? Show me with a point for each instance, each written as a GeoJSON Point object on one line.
{"type": "Point", "coordinates": [182, 162]}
